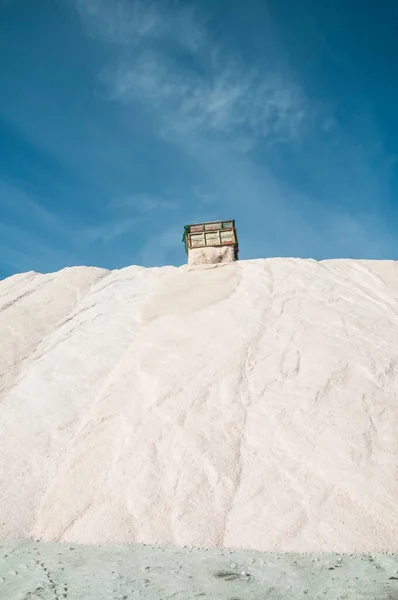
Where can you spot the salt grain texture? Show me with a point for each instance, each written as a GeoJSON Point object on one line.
{"type": "Point", "coordinates": [247, 405]}
{"type": "Point", "coordinates": [211, 255]}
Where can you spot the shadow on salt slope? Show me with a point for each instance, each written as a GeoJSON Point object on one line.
{"type": "Point", "coordinates": [32, 570]}
{"type": "Point", "coordinates": [191, 290]}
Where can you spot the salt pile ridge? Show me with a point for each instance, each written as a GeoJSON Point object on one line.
{"type": "Point", "coordinates": [250, 405]}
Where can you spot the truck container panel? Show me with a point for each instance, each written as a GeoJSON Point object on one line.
{"type": "Point", "coordinates": [212, 237]}
{"type": "Point", "coordinates": [227, 237]}
{"type": "Point", "coordinates": [197, 239]}
{"type": "Point", "coordinates": [196, 228]}
{"type": "Point", "coordinates": [212, 226]}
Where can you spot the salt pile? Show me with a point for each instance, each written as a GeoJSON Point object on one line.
{"type": "Point", "coordinates": [249, 405]}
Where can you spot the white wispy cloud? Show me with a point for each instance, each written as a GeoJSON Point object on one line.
{"type": "Point", "coordinates": [128, 22]}
{"type": "Point", "coordinates": [25, 250]}
{"type": "Point", "coordinates": [23, 206]}
{"type": "Point", "coordinates": [144, 203]}
{"type": "Point", "coordinates": [224, 101]}
{"type": "Point", "coordinates": [157, 249]}
{"type": "Point", "coordinates": [109, 230]}
{"type": "Point", "coordinates": [210, 92]}
{"type": "Point", "coordinates": [126, 214]}
{"type": "Point", "coordinates": [30, 232]}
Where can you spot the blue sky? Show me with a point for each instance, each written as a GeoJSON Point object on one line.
{"type": "Point", "coordinates": [122, 120]}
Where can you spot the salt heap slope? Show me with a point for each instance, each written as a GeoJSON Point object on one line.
{"type": "Point", "coordinates": [250, 405]}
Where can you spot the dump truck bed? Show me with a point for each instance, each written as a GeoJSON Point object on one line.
{"type": "Point", "coordinates": [211, 234]}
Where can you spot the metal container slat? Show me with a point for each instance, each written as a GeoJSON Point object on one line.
{"type": "Point", "coordinates": [212, 226]}
{"type": "Point", "coordinates": [227, 237]}
{"type": "Point", "coordinates": [196, 228]}
{"type": "Point", "coordinates": [212, 238]}
{"type": "Point", "coordinates": [197, 239]}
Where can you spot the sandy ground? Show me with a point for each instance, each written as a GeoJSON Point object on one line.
{"type": "Point", "coordinates": [39, 571]}
{"type": "Point", "coordinates": [251, 405]}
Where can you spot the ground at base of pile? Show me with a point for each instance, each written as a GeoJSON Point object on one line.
{"type": "Point", "coordinates": [41, 571]}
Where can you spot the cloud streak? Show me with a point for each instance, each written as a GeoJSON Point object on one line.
{"type": "Point", "coordinates": [209, 92]}
{"type": "Point", "coordinates": [22, 206]}
{"type": "Point", "coordinates": [224, 101]}
{"type": "Point", "coordinates": [144, 203]}
{"type": "Point", "coordinates": [30, 233]}
{"type": "Point", "coordinates": [127, 23]}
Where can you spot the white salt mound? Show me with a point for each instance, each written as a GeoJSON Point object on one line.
{"type": "Point", "coordinates": [251, 405]}
{"type": "Point", "coordinates": [211, 255]}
